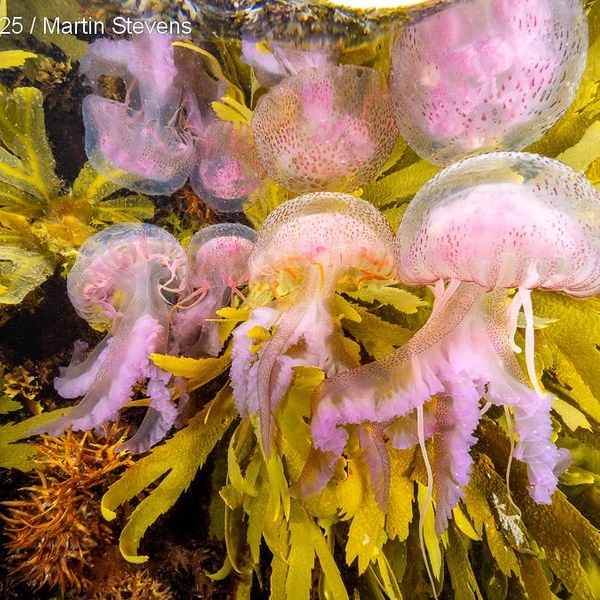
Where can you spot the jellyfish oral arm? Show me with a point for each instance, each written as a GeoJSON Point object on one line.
{"type": "Point", "coordinates": [76, 379]}
{"type": "Point", "coordinates": [124, 361]}
{"type": "Point", "coordinates": [461, 356]}
{"type": "Point", "coordinates": [194, 334]}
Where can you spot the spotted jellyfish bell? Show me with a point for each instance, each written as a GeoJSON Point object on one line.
{"type": "Point", "coordinates": [486, 75]}
{"type": "Point", "coordinates": [229, 169]}
{"type": "Point", "coordinates": [327, 129]}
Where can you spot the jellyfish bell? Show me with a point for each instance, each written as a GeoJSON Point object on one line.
{"type": "Point", "coordinates": [229, 169]}
{"type": "Point", "coordinates": [486, 75]}
{"type": "Point", "coordinates": [220, 254]}
{"type": "Point", "coordinates": [327, 129]}
{"type": "Point", "coordinates": [218, 259]}
{"type": "Point", "coordinates": [334, 230]}
{"type": "Point", "coordinates": [123, 279]}
{"type": "Point", "coordinates": [306, 248]}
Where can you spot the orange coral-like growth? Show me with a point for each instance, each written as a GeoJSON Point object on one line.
{"type": "Point", "coordinates": [56, 529]}
{"type": "Point", "coordinates": [129, 583]}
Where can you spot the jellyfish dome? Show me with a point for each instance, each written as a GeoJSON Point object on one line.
{"type": "Point", "coordinates": [229, 169]}
{"type": "Point", "coordinates": [101, 283]}
{"type": "Point", "coordinates": [327, 129]}
{"type": "Point", "coordinates": [486, 75]}
{"type": "Point", "coordinates": [506, 219]}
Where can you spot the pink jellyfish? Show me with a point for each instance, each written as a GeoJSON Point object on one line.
{"type": "Point", "coordinates": [229, 168]}
{"type": "Point", "coordinates": [279, 59]}
{"type": "Point", "coordinates": [325, 129]}
{"type": "Point", "coordinates": [486, 75]}
{"type": "Point", "coordinates": [306, 248]}
{"type": "Point", "coordinates": [138, 144]}
{"type": "Point", "coordinates": [218, 259]}
{"type": "Point", "coordinates": [124, 279]}
{"type": "Point", "coordinates": [478, 229]}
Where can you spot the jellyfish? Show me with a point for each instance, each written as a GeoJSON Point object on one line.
{"type": "Point", "coordinates": [124, 279]}
{"type": "Point", "coordinates": [274, 60]}
{"type": "Point", "coordinates": [218, 266]}
{"type": "Point", "coordinates": [306, 249]}
{"type": "Point", "coordinates": [138, 143]}
{"type": "Point", "coordinates": [486, 75]}
{"type": "Point", "coordinates": [482, 227]}
{"type": "Point", "coordinates": [327, 129]}
{"type": "Point", "coordinates": [229, 168]}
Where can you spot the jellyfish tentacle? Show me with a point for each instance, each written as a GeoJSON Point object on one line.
{"type": "Point", "coordinates": [378, 461]}
{"type": "Point", "coordinates": [75, 380]}
{"type": "Point", "coordinates": [428, 497]}
{"type": "Point", "coordinates": [534, 447]}
{"type": "Point", "coordinates": [509, 387]}
{"type": "Point", "coordinates": [525, 296]}
{"type": "Point", "coordinates": [514, 308]}
{"type": "Point", "coordinates": [159, 417]}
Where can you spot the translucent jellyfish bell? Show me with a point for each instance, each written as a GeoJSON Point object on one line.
{"type": "Point", "coordinates": [486, 75]}
{"type": "Point", "coordinates": [229, 168]}
{"type": "Point", "coordinates": [96, 284]}
{"type": "Point", "coordinates": [325, 129]}
{"type": "Point", "coordinates": [218, 257]}
{"type": "Point", "coordinates": [504, 220]}
{"type": "Point", "coordinates": [276, 59]}
{"type": "Point", "coordinates": [219, 254]}
{"type": "Point", "coordinates": [341, 232]}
